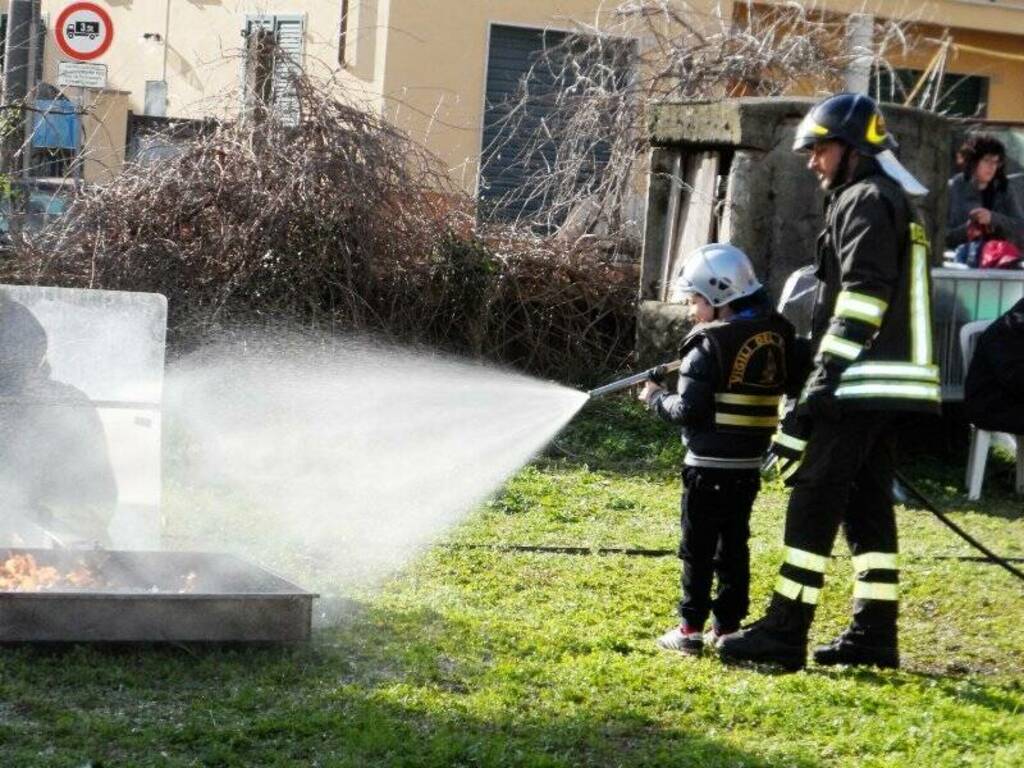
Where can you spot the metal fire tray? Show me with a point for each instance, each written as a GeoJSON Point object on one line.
{"type": "Point", "coordinates": [157, 597]}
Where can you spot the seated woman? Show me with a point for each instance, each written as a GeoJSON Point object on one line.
{"type": "Point", "coordinates": [982, 205]}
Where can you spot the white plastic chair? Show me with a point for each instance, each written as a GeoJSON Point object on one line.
{"type": "Point", "coordinates": [981, 439]}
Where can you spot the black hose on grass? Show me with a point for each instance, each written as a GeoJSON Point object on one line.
{"type": "Point", "coordinates": [1002, 562]}
{"type": "Point", "coordinates": [555, 549]}
{"type": "Point", "coordinates": [561, 549]}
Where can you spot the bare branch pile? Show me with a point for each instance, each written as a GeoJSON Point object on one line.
{"type": "Point", "coordinates": [338, 224]}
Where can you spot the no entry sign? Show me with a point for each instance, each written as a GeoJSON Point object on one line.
{"type": "Point", "coordinates": [83, 31]}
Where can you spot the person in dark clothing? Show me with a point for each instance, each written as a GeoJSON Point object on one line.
{"type": "Point", "coordinates": [982, 205]}
{"type": "Point", "coordinates": [734, 371]}
{"type": "Point", "coordinates": [55, 471]}
{"type": "Point", "coordinates": [994, 388]}
{"type": "Point", "coordinates": [872, 334]}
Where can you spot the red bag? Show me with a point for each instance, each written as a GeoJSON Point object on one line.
{"type": "Point", "coordinates": [999, 254]}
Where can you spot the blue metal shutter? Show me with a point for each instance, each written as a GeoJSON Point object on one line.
{"type": "Point", "coordinates": [514, 156]}
{"type": "Point", "coordinates": [513, 50]}
{"type": "Point", "coordinates": [55, 124]}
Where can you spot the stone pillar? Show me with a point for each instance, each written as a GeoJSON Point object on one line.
{"type": "Point", "coordinates": [656, 228]}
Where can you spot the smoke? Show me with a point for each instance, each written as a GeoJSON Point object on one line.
{"type": "Point", "coordinates": [335, 462]}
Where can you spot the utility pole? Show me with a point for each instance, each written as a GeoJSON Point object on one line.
{"type": "Point", "coordinates": [860, 43]}
{"type": "Point", "coordinates": [16, 81]}
{"type": "Point", "coordinates": [34, 22]}
{"type": "Point", "coordinates": [260, 48]}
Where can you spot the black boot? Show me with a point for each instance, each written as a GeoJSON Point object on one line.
{"type": "Point", "coordinates": [779, 639]}
{"type": "Point", "coordinates": [854, 648]}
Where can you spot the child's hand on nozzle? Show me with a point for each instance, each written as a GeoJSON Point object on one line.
{"type": "Point", "coordinates": [648, 391]}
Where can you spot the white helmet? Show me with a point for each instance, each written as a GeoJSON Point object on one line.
{"type": "Point", "coordinates": [719, 272]}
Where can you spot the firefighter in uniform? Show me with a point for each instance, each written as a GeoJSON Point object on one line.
{"type": "Point", "coordinates": [872, 335]}
{"type": "Point", "coordinates": [734, 373]}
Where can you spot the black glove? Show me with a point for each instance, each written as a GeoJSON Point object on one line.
{"type": "Point", "coordinates": [658, 375]}
{"type": "Point", "coordinates": [781, 461]}
{"type": "Point", "coordinates": [786, 450]}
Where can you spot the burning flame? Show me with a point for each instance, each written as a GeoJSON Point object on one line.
{"type": "Point", "coordinates": [21, 573]}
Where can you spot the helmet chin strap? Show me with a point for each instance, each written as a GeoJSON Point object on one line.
{"type": "Point", "coordinates": [842, 173]}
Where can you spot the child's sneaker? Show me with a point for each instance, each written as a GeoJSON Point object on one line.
{"type": "Point", "coordinates": [683, 639]}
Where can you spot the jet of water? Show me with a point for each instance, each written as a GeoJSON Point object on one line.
{"type": "Point", "coordinates": [336, 462]}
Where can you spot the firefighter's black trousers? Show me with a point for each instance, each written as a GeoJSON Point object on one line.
{"type": "Point", "coordinates": [845, 479]}
{"type": "Point", "coordinates": [715, 523]}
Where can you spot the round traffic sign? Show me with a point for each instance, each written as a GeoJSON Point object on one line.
{"type": "Point", "coordinates": [83, 31]}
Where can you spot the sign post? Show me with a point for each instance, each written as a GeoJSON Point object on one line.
{"type": "Point", "coordinates": [83, 31]}
{"type": "Point", "coordinates": [81, 74]}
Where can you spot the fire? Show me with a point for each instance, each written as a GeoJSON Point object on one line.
{"type": "Point", "coordinates": [21, 573]}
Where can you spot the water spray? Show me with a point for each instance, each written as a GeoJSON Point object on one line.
{"type": "Point", "coordinates": [656, 374]}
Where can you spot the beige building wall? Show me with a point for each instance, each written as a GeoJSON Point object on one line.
{"type": "Point", "coordinates": [196, 48]}
{"type": "Point", "coordinates": [422, 63]}
{"type": "Point", "coordinates": [995, 26]}
{"type": "Point", "coordinates": [436, 68]}
{"type": "Point", "coordinates": [987, 15]}
{"type": "Point", "coordinates": [106, 127]}
{"type": "Point", "coordinates": [1005, 77]}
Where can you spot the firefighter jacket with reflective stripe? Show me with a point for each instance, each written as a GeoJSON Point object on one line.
{"type": "Point", "coordinates": [732, 379]}
{"type": "Point", "coordinates": [872, 319]}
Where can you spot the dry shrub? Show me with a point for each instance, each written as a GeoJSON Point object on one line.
{"type": "Point", "coordinates": [337, 224]}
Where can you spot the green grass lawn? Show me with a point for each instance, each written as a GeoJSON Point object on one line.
{"type": "Point", "coordinates": [479, 654]}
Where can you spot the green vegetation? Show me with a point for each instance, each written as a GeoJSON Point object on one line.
{"type": "Point", "coordinates": [476, 655]}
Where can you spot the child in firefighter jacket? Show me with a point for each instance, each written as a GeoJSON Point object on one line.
{"type": "Point", "coordinates": [737, 365]}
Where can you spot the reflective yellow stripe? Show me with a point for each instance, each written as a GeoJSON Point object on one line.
{"type": "Point", "coordinates": [796, 591]}
{"type": "Point", "coordinates": [736, 420]}
{"type": "Point", "coordinates": [790, 442]}
{"type": "Point", "coordinates": [861, 306]}
{"type": "Point", "coordinates": [875, 132]}
{"type": "Point", "coordinates": [810, 125]}
{"type": "Point", "coordinates": [734, 399]}
{"type": "Point", "coordinates": [789, 471]}
{"type": "Point", "coordinates": [871, 560]}
{"type": "Point", "coordinates": [883, 370]}
{"type": "Point", "coordinates": [910, 391]}
{"type": "Point", "coordinates": [920, 301]}
{"type": "Point", "coordinates": [806, 560]}
{"type": "Point", "coordinates": [849, 350]}
{"type": "Point", "coordinates": [871, 590]}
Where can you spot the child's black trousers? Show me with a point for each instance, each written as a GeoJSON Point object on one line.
{"type": "Point", "coordinates": [715, 522]}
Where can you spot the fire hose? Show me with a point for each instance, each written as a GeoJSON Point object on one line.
{"type": "Point", "coordinates": [1002, 562]}
{"type": "Point", "coordinates": [655, 374]}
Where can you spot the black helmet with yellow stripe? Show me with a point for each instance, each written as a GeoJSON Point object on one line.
{"type": "Point", "coordinates": [849, 117]}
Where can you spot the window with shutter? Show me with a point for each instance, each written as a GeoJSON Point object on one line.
{"type": "Point", "coordinates": [288, 31]}
{"type": "Point", "coordinates": [959, 95]}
